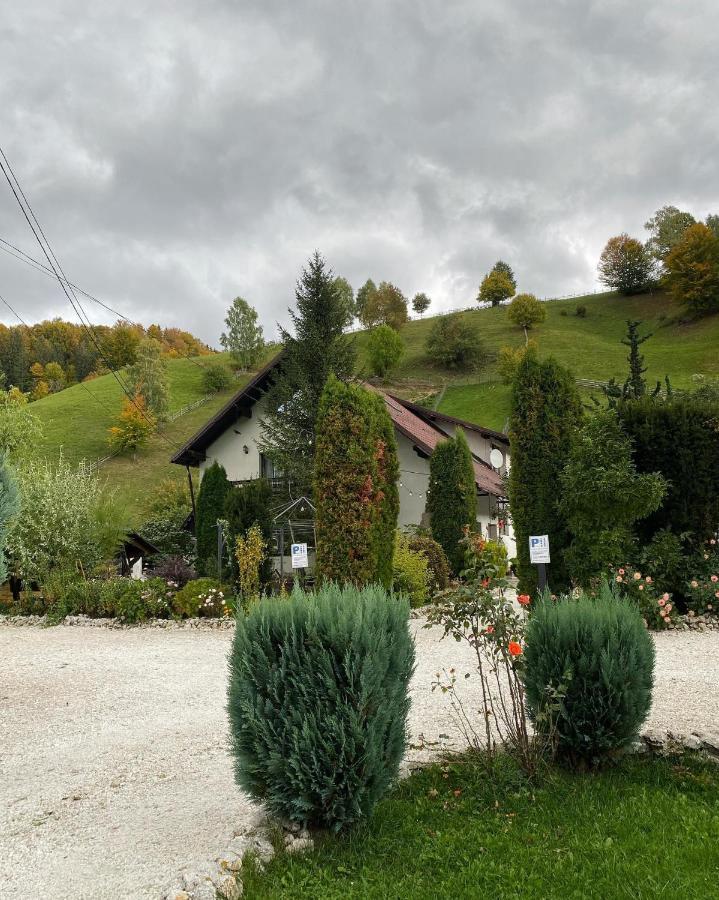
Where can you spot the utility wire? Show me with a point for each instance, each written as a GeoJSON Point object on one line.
{"type": "Point", "coordinates": [63, 281]}
{"type": "Point", "coordinates": [81, 383]}
{"type": "Point", "coordinates": [23, 257]}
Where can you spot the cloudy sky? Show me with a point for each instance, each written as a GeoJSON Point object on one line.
{"type": "Point", "coordinates": [181, 152]}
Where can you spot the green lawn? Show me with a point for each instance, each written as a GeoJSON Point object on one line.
{"type": "Point", "coordinates": [646, 829]}
{"type": "Point", "coordinates": [590, 346]}
{"type": "Point", "coordinates": [79, 425]}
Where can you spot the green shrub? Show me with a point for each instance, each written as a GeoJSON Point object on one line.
{"type": "Point", "coordinates": [318, 702]}
{"type": "Point", "coordinates": [437, 562]}
{"type": "Point", "coordinates": [214, 488]}
{"type": "Point", "coordinates": [410, 571]}
{"type": "Point", "coordinates": [452, 496]}
{"type": "Point", "coordinates": [355, 486]}
{"type": "Point", "coordinates": [384, 350]}
{"type": "Point", "coordinates": [603, 655]}
{"type": "Point", "coordinates": [201, 597]}
{"type": "Point", "coordinates": [581, 311]}
{"type": "Point", "coordinates": [216, 378]}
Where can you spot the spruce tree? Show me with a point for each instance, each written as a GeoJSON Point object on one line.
{"type": "Point", "coordinates": [214, 488]}
{"type": "Point", "coordinates": [452, 496]}
{"type": "Point", "coordinates": [355, 486]}
{"type": "Point", "coordinates": [635, 386]}
{"type": "Point", "coordinates": [545, 411]}
{"type": "Point", "coordinates": [315, 350]}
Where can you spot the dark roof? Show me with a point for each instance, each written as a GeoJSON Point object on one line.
{"type": "Point", "coordinates": [431, 415]}
{"type": "Point", "coordinates": [194, 450]}
{"type": "Point", "coordinates": [426, 436]}
{"type": "Point", "coordinates": [135, 541]}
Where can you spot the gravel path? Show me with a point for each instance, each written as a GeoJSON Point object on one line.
{"type": "Point", "coordinates": [114, 773]}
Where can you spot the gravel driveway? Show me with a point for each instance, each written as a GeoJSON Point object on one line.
{"type": "Point", "coordinates": [114, 773]}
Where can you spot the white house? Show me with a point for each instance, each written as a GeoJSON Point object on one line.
{"type": "Point", "coordinates": [233, 437]}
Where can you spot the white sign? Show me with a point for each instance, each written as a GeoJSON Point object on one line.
{"type": "Point", "coordinates": [299, 556]}
{"type": "Point", "coordinates": [539, 548]}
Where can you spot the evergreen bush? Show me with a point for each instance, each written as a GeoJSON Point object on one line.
{"type": "Point", "coordinates": [452, 496]}
{"type": "Point", "coordinates": [214, 488]}
{"type": "Point", "coordinates": [318, 702]}
{"type": "Point", "coordinates": [599, 652]}
{"type": "Point", "coordinates": [545, 411]}
{"type": "Point", "coordinates": [678, 438]}
{"type": "Point", "coordinates": [355, 486]}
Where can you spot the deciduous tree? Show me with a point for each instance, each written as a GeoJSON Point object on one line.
{"type": "Point", "coordinates": [243, 338]}
{"type": "Point", "coordinates": [526, 311]}
{"type": "Point", "coordinates": [692, 270]}
{"type": "Point", "coordinates": [496, 286]}
{"type": "Point", "coordinates": [147, 376]}
{"type": "Point", "coordinates": [346, 297]}
{"type": "Point", "coordinates": [454, 343]}
{"type": "Point", "coordinates": [625, 264]}
{"type": "Point", "coordinates": [385, 306]}
{"type": "Point", "coordinates": [134, 426]}
{"type": "Point", "coordinates": [666, 229]}
{"type": "Point", "coordinates": [420, 303]}
{"type": "Point", "coordinates": [384, 349]}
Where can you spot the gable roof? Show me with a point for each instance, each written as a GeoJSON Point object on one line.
{"type": "Point", "coordinates": [193, 451]}
{"type": "Point", "coordinates": [413, 421]}
{"type": "Point", "coordinates": [426, 437]}
{"type": "Point", "coordinates": [432, 415]}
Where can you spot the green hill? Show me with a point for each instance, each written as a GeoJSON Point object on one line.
{"type": "Point", "coordinates": [78, 424]}
{"type": "Point", "coordinates": [590, 346]}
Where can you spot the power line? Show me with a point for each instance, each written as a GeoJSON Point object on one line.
{"type": "Point", "coordinates": [24, 257]}
{"type": "Point", "coordinates": [63, 281]}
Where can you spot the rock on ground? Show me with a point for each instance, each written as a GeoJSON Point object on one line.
{"type": "Point", "coordinates": [114, 770]}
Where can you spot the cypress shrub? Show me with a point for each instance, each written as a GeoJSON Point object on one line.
{"type": "Point", "coordinates": [608, 655]}
{"type": "Point", "coordinates": [545, 410]}
{"type": "Point", "coordinates": [452, 496]}
{"type": "Point", "coordinates": [680, 439]}
{"type": "Point", "coordinates": [214, 488]}
{"type": "Point", "coordinates": [318, 702]}
{"type": "Point", "coordinates": [355, 486]}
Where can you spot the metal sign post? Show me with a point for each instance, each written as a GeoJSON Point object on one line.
{"type": "Point", "coordinates": [539, 556]}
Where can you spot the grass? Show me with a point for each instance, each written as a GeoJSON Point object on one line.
{"type": "Point", "coordinates": [648, 828]}
{"type": "Point", "coordinates": [77, 424]}
{"type": "Point", "coordinates": [590, 346]}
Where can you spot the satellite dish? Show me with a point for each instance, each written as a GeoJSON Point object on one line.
{"type": "Point", "coordinates": [496, 458]}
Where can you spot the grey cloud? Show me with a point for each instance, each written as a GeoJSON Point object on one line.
{"type": "Point", "coordinates": [179, 153]}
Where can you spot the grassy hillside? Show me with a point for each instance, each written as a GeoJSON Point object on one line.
{"type": "Point", "coordinates": [589, 346]}
{"type": "Point", "coordinates": [75, 422]}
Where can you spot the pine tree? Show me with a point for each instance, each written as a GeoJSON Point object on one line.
{"type": "Point", "coordinates": [452, 496]}
{"type": "Point", "coordinates": [214, 488]}
{"type": "Point", "coordinates": [635, 385]}
{"type": "Point", "coordinates": [545, 411]}
{"type": "Point", "coordinates": [148, 376]}
{"type": "Point", "coordinates": [243, 337]}
{"type": "Point", "coordinates": [355, 486]}
{"type": "Point", "coordinates": [317, 349]}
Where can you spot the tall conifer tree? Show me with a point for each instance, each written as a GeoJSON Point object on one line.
{"type": "Point", "coordinates": [316, 350]}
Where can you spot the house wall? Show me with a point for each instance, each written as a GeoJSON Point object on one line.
{"type": "Point", "coordinates": [227, 449]}
{"type": "Point", "coordinates": [413, 483]}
